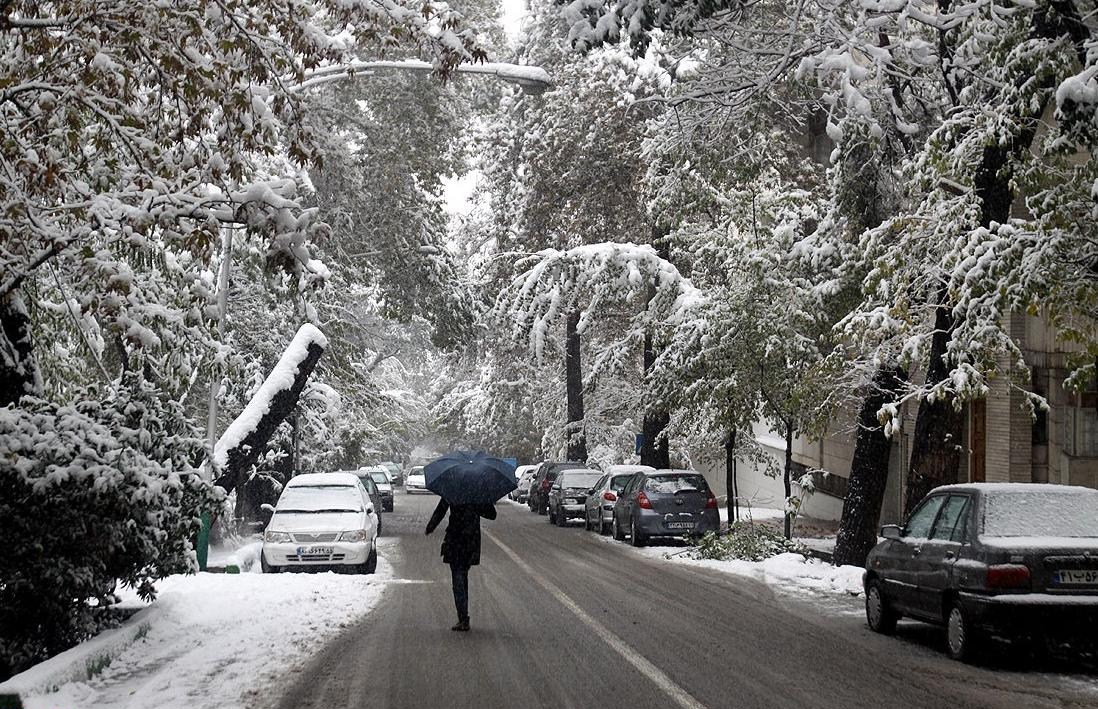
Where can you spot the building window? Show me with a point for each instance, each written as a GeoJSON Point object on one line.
{"type": "Point", "coordinates": [1081, 428]}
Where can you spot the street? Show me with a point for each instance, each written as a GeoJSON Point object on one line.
{"type": "Point", "coordinates": [562, 618]}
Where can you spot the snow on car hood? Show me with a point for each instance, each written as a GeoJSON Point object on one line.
{"type": "Point", "coordinates": [317, 521]}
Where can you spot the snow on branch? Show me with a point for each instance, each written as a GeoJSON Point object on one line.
{"type": "Point", "coordinates": [244, 439]}
{"type": "Point", "coordinates": [590, 279]}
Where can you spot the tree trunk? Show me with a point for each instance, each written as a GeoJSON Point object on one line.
{"type": "Point", "coordinates": [18, 369]}
{"type": "Point", "coordinates": [868, 472]}
{"type": "Point", "coordinates": [939, 426]}
{"type": "Point", "coordinates": [243, 456]}
{"type": "Point", "coordinates": [788, 478]}
{"type": "Point", "coordinates": [732, 501]}
{"type": "Point", "coordinates": [654, 450]}
{"type": "Point", "coordinates": [573, 381]}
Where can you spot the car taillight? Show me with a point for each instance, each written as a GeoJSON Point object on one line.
{"type": "Point", "coordinates": [711, 503]}
{"type": "Point", "coordinates": [1008, 576]}
{"type": "Point", "coordinates": [609, 496]}
{"type": "Point", "coordinates": [643, 502]}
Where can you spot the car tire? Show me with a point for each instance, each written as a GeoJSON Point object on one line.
{"type": "Point", "coordinates": [267, 568]}
{"type": "Point", "coordinates": [963, 639]}
{"type": "Point", "coordinates": [635, 537]}
{"type": "Point", "coordinates": [604, 527]}
{"type": "Point", "coordinates": [618, 534]}
{"type": "Point", "coordinates": [371, 562]}
{"type": "Point", "coordinates": [552, 517]}
{"type": "Point", "coordinates": [586, 522]}
{"type": "Point", "coordinates": [562, 518]}
{"type": "Point", "coordinates": [879, 613]}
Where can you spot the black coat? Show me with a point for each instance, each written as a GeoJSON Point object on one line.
{"type": "Point", "coordinates": [461, 545]}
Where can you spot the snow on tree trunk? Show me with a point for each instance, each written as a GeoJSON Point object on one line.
{"type": "Point", "coordinates": [240, 446]}
{"type": "Point", "coordinates": [868, 472]}
{"type": "Point", "coordinates": [573, 379]}
{"type": "Point", "coordinates": [18, 372]}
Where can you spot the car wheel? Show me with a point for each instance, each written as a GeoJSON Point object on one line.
{"type": "Point", "coordinates": [267, 568]}
{"type": "Point", "coordinates": [604, 527]}
{"type": "Point", "coordinates": [371, 562]}
{"type": "Point", "coordinates": [635, 537]}
{"type": "Point", "coordinates": [878, 611]}
{"type": "Point", "coordinates": [586, 521]}
{"type": "Point", "coordinates": [963, 639]}
{"type": "Point", "coordinates": [562, 518]}
{"type": "Point", "coordinates": [552, 517]}
{"type": "Point", "coordinates": [618, 534]}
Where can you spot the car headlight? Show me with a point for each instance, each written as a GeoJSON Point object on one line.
{"type": "Point", "coordinates": [276, 537]}
{"type": "Point", "coordinates": [357, 535]}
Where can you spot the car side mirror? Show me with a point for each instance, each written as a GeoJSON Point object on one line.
{"type": "Point", "coordinates": [591, 491]}
{"type": "Point", "coordinates": [891, 531]}
{"type": "Point", "coordinates": [267, 508]}
{"type": "Point", "coordinates": [370, 508]}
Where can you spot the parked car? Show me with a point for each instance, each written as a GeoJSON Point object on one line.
{"type": "Point", "coordinates": [415, 482]}
{"type": "Point", "coordinates": [599, 505]}
{"type": "Point", "coordinates": [396, 473]}
{"type": "Point", "coordinates": [370, 486]}
{"type": "Point", "coordinates": [665, 503]}
{"type": "Point", "coordinates": [384, 484]}
{"type": "Point", "coordinates": [321, 520]}
{"type": "Point", "coordinates": [524, 474]}
{"type": "Point", "coordinates": [984, 559]}
{"type": "Point", "coordinates": [538, 498]}
{"type": "Point", "coordinates": [569, 492]}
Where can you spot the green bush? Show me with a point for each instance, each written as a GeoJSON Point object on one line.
{"type": "Point", "coordinates": [745, 541]}
{"type": "Point", "coordinates": [92, 494]}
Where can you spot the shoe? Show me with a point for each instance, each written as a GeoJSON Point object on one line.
{"type": "Point", "coordinates": [462, 626]}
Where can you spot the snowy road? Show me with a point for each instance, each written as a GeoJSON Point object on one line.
{"type": "Point", "coordinates": [564, 619]}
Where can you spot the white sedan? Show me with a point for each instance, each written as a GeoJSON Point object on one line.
{"type": "Point", "coordinates": [322, 520]}
{"type": "Point", "coordinates": [416, 482]}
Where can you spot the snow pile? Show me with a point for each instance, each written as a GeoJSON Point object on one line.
{"type": "Point", "coordinates": [791, 572]}
{"type": "Point", "coordinates": [210, 640]}
{"type": "Point", "coordinates": [280, 379]}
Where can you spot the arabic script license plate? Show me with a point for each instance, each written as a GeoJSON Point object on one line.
{"type": "Point", "coordinates": [1072, 577]}
{"type": "Point", "coordinates": [313, 551]}
{"type": "Point", "coordinates": [680, 525]}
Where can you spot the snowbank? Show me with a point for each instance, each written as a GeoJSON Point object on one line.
{"type": "Point", "coordinates": [210, 640]}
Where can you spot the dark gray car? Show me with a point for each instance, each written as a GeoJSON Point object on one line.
{"type": "Point", "coordinates": [568, 494]}
{"type": "Point", "coordinates": [538, 499]}
{"type": "Point", "coordinates": [665, 503]}
{"type": "Point", "coordinates": [991, 559]}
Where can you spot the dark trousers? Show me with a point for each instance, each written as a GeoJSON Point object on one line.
{"type": "Point", "coordinates": [460, 576]}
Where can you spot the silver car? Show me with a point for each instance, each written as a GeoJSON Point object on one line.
{"type": "Point", "coordinates": [665, 503]}
{"type": "Point", "coordinates": [599, 507]}
{"type": "Point", "coordinates": [525, 475]}
{"type": "Point", "coordinates": [569, 493]}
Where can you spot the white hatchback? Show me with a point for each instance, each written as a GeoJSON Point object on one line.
{"type": "Point", "coordinates": [322, 520]}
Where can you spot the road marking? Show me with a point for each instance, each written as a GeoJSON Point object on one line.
{"type": "Point", "coordinates": [679, 695]}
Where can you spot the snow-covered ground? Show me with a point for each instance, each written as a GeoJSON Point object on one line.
{"type": "Point", "coordinates": [209, 640]}
{"type": "Point", "coordinates": [790, 572]}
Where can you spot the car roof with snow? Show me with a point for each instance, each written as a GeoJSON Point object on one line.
{"type": "Point", "coordinates": [1015, 487]}
{"type": "Point", "coordinates": [323, 479]}
{"type": "Point", "coordinates": [373, 469]}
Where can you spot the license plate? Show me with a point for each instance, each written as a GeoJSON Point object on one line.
{"type": "Point", "coordinates": [1086, 577]}
{"type": "Point", "coordinates": [314, 550]}
{"type": "Point", "coordinates": [680, 525]}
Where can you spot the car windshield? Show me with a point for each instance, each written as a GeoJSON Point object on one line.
{"type": "Point", "coordinates": [303, 499]}
{"type": "Point", "coordinates": [380, 477]}
{"type": "Point", "coordinates": [579, 478]}
{"type": "Point", "coordinates": [669, 484]}
{"type": "Point", "coordinates": [1041, 513]}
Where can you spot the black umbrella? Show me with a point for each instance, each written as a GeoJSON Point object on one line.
{"type": "Point", "coordinates": [470, 478]}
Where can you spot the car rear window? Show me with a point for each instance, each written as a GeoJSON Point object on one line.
{"type": "Point", "coordinates": [618, 482]}
{"type": "Point", "coordinates": [573, 478]}
{"type": "Point", "coordinates": [668, 484]}
{"type": "Point", "coordinates": [1049, 513]}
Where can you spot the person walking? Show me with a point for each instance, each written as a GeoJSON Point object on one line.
{"type": "Point", "coordinates": [461, 548]}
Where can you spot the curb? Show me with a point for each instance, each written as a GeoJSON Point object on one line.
{"type": "Point", "coordinates": [78, 663]}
